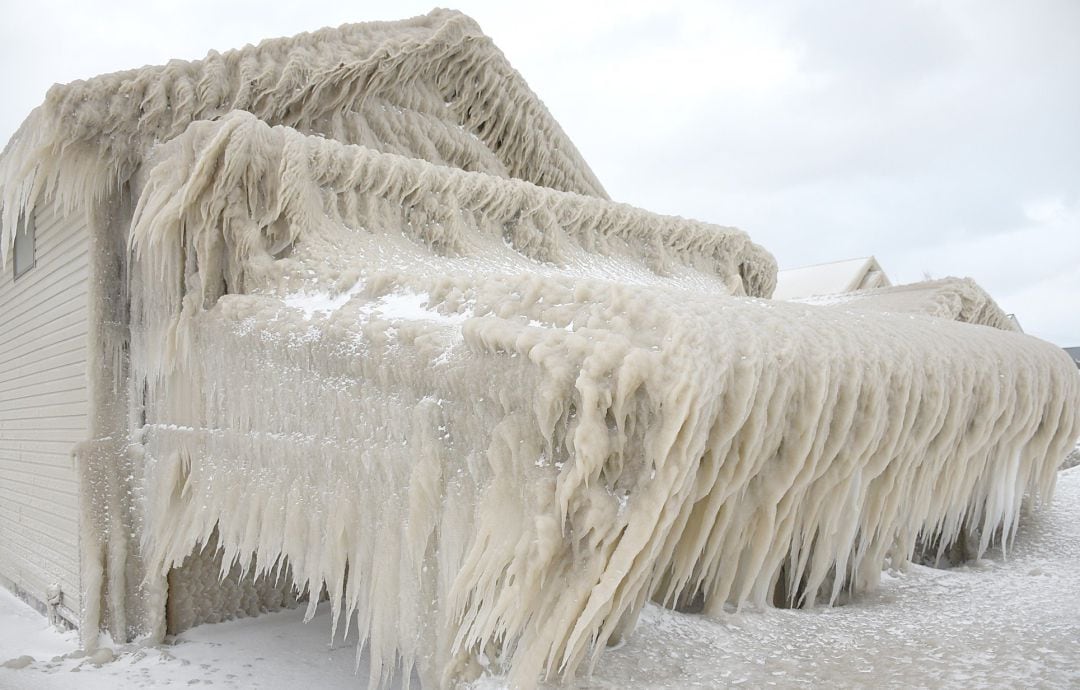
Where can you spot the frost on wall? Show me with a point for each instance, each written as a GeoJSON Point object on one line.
{"type": "Point", "coordinates": [491, 420]}
{"type": "Point", "coordinates": [956, 299]}
{"type": "Point", "coordinates": [432, 87]}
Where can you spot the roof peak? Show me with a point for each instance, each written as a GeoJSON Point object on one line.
{"type": "Point", "coordinates": [89, 137]}
{"type": "Point", "coordinates": [438, 19]}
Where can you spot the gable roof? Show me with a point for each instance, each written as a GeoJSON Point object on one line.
{"type": "Point", "coordinates": [830, 278]}
{"type": "Point", "coordinates": [88, 137]}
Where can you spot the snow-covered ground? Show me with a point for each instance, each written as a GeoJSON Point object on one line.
{"type": "Point", "coordinates": [997, 623]}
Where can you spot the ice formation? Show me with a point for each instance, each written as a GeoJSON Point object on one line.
{"type": "Point", "coordinates": [450, 387]}
{"type": "Point", "coordinates": [553, 407]}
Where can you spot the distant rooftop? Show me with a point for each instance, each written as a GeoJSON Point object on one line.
{"type": "Point", "coordinates": [830, 278]}
{"type": "Point", "coordinates": [1074, 352]}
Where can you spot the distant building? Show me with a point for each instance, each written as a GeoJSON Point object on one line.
{"type": "Point", "coordinates": [1074, 352]}
{"type": "Point", "coordinates": [830, 279]}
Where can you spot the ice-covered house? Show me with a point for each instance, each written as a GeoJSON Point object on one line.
{"type": "Point", "coordinates": [358, 323]}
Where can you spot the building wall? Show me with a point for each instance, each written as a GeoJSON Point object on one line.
{"type": "Point", "coordinates": [43, 412]}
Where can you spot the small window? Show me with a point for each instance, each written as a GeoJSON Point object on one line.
{"type": "Point", "coordinates": [25, 239]}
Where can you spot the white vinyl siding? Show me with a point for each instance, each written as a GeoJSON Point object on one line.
{"type": "Point", "coordinates": [43, 411]}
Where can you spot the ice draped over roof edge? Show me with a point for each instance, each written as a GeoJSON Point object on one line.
{"type": "Point", "coordinates": [578, 418]}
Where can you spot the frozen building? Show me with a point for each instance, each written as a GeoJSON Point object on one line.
{"type": "Point", "coordinates": [346, 317]}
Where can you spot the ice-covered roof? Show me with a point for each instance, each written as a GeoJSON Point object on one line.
{"type": "Point", "coordinates": [434, 82]}
{"type": "Point", "coordinates": [830, 278]}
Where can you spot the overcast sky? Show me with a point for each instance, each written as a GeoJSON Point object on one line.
{"type": "Point", "coordinates": [943, 137]}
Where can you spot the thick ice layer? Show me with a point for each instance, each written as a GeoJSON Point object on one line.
{"type": "Point", "coordinates": [433, 87]}
{"type": "Point", "coordinates": [956, 299]}
{"type": "Point", "coordinates": [492, 419]}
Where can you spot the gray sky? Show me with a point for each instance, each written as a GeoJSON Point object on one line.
{"type": "Point", "coordinates": [941, 136]}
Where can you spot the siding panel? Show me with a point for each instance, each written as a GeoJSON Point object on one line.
{"type": "Point", "coordinates": [43, 409]}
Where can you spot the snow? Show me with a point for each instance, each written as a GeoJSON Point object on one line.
{"type": "Point", "coordinates": [321, 303]}
{"type": "Point", "coordinates": [276, 650]}
{"type": "Point", "coordinates": [24, 631]}
{"type": "Point", "coordinates": [994, 623]}
{"type": "Point", "coordinates": [414, 307]}
{"type": "Point", "coordinates": [406, 306]}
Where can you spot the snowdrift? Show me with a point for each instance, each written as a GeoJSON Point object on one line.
{"type": "Point", "coordinates": [491, 419]}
